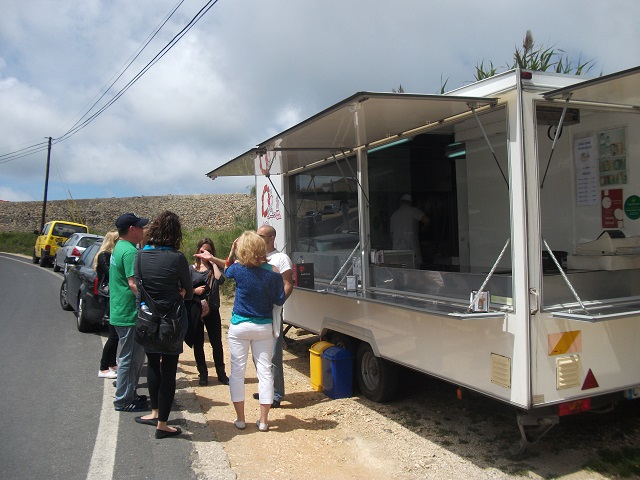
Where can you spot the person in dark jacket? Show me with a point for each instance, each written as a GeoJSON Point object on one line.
{"type": "Point", "coordinates": [205, 307]}
{"type": "Point", "coordinates": [163, 272]}
{"type": "Point", "coordinates": [108, 364]}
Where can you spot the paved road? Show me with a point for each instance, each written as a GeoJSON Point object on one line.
{"type": "Point", "coordinates": [58, 419]}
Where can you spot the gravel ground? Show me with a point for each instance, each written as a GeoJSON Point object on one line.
{"type": "Point", "coordinates": [426, 433]}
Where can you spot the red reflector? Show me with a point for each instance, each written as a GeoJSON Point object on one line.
{"type": "Point", "coordinates": [95, 286]}
{"type": "Point", "coordinates": [526, 75]}
{"type": "Point", "coordinates": [590, 381]}
{"type": "Point", "coordinates": [577, 406]}
{"type": "Point", "coordinates": [47, 247]}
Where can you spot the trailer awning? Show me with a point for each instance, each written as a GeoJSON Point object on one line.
{"type": "Point", "coordinates": [363, 120]}
{"type": "Point", "coordinates": [617, 89]}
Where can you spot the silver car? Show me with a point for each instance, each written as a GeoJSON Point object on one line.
{"type": "Point", "coordinates": [73, 247]}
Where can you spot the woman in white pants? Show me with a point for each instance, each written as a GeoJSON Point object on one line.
{"type": "Point", "coordinates": [258, 288]}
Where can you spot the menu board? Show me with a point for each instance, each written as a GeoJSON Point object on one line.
{"type": "Point", "coordinates": [586, 165]}
{"type": "Point", "coordinates": [612, 157]}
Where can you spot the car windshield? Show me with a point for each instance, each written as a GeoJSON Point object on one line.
{"type": "Point", "coordinates": [86, 241]}
{"type": "Point", "coordinates": [66, 230]}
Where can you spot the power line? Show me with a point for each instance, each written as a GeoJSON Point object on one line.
{"type": "Point", "coordinates": [152, 62]}
{"type": "Point", "coordinates": [79, 125]}
{"type": "Point", "coordinates": [23, 152]}
{"type": "Point", "coordinates": [132, 59]}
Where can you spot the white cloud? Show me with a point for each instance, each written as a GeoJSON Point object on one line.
{"type": "Point", "coordinates": [11, 195]}
{"type": "Point", "coordinates": [237, 79]}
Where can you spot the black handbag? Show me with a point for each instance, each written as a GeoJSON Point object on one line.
{"type": "Point", "coordinates": [157, 328]}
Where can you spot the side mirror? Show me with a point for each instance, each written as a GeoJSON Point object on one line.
{"type": "Point", "coordinates": [71, 260]}
{"type": "Point", "coordinates": [37, 232]}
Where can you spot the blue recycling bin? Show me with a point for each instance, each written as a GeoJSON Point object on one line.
{"type": "Point", "coordinates": [337, 372]}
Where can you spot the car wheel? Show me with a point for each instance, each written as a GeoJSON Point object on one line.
{"type": "Point", "coordinates": [377, 378]}
{"type": "Point", "coordinates": [82, 322]}
{"type": "Point", "coordinates": [34, 258]}
{"type": "Point", "coordinates": [43, 261]}
{"type": "Point", "coordinates": [64, 300]}
{"type": "Point", "coordinates": [56, 267]}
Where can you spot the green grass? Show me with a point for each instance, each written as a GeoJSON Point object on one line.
{"type": "Point", "coordinates": [17, 242]}
{"type": "Point", "coordinates": [222, 239]}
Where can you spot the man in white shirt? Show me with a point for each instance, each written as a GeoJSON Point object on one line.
{"type": "Point", "coordinates": [284, 265]}
{"type": "Point", "coordinates": [405, 228]}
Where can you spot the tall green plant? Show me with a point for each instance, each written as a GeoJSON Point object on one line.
{"type": "Point", "coordinates": [538, 58]}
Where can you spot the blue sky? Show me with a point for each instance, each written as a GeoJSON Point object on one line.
{"type": "Point", "coordinates": [244, 72]}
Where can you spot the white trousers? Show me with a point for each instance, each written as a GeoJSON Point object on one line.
{"type": "Point", "coordinates": [260, 339]}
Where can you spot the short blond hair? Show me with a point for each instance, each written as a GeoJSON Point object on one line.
{"type": "Point", "coordinates": [251, 251]}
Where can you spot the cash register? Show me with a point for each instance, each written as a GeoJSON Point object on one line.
{"type": "Point", "coordinates": [612, 250]}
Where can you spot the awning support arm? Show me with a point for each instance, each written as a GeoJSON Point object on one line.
{"type": "Point", "coordinates": [564, 276]}
{"type": "Point", "coordinates": [344, 155]}
{"type": "Point", "coordinates": [486, 139]}
{"type": "Point", "coordinates": [489, 275]}
{"type": "Point", "coordinates": [555, 138]}
{"type": "Point", "coordinates": [344, 265]}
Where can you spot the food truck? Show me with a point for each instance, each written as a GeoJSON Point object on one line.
{"type": "Point", "coordinates": [522, 281]}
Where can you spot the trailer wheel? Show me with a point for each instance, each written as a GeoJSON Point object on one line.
{"type": "Point", "coordinates": [377, 378]}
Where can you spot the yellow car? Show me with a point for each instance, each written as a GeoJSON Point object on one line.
{"type": "Point", "coordinates": [53, 235]}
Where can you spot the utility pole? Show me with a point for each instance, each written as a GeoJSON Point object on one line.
{"type": "Point", "coordinates": [46, 186]}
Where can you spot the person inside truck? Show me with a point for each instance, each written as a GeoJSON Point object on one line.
{"type": "Point", "coordinates": [406, 222]}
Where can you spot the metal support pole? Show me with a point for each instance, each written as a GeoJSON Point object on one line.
{"type": "Point", "coordinates": [46, 186]}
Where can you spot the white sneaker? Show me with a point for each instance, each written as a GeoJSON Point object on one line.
{"type": "Point", "coordinates": [107, 374]}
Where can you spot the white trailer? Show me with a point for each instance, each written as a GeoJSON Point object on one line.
{"type": "Point", "coordinates": [526, 285]}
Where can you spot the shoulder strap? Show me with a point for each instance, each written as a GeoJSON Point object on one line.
{"type": "Point", "coordinates": [143, 293]}
{"type": "Point", "coordinates": [153, 306]}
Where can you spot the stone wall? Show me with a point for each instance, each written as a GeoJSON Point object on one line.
{"type": "Point", "coordinates": [212, 211]}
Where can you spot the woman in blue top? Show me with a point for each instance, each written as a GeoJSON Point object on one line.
{"type": "Point", "coordinates": [258, 288]}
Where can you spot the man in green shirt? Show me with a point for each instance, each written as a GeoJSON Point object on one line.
{"type": "Point", "coordinates": [123, 312]}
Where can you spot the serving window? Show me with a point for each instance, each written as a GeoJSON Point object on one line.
{"type": "Point", "coordinates": [590, 209]}
{"type": "Point", "coordinates": [458, 197]}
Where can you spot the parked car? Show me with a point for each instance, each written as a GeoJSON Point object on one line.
{"type": "Point", "coordinates": [329, 208]}
{"type": "Point", "coordinates": [317, 216]}
{"type": "Point", "coordinates": [73, 247]}
{"type": "Point", "coordinates": [79, 291]}
{"type": "Point", "coordinates": [51, 237]}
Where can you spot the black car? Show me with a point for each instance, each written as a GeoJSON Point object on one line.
{"type": "Point", "coordinates": [79, 291]}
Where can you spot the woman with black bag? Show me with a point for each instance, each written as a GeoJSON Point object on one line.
{"type": "Point", "coordinates": [164, 282]}
{"type": "Point", "coordinates": [205, 307]}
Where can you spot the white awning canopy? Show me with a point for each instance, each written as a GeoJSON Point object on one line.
{"type": "Point", "coordinates": [363, 120]}
{"type": "Point", "coordinates": [620, 89]}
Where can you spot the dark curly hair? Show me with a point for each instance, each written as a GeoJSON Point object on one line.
{"type": "Point", "coordinates": [165, 231]}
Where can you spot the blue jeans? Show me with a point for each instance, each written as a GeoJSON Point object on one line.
{"type": "Point", "coordinates": [130, 362]}
{"type": "Point", "coordinates": [276, 368]}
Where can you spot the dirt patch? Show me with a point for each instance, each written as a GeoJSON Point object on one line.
{"type": "Point", "coordinates": [426, 433]}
